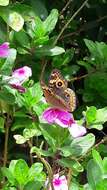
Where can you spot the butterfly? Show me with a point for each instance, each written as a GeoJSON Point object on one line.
{"type": "Point", "coordinates": [57, 93]}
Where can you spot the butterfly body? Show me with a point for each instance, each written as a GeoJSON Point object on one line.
{"type": "Point", "coordinates": [57, 93]}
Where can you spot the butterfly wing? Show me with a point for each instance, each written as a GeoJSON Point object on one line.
{"type": "Point", "coordinates": [56, 76]}
{"type": "Point", "coordinates": [57, 94]}
{"type": "Point", "coordinates": [70, 99]}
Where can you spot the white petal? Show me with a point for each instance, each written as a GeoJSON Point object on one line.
{"type": "Point", "coordinates": [76, 130]}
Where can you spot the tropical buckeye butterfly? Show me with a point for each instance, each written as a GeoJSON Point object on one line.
{"type": "Point", "coordinates": [57, 93]}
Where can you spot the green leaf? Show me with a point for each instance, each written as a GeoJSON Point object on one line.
{"type": "Point", "coordinates": [38, 28]}
{"type": "Point", "coordinates": [96, 84]}
{"type": "Point", "coordinates": [21, 172]}
{"type": "Point", "coordinates": [22, 38]}
{"type": "Point", "coordinates": [73, 164]}
{"type": "Point", "coordinates": [7, 67]}
{"type": "Point", "coordinates": [12, 166]}
{"type": "Point", "coordinates": [21, 122]}
{"type": "Point", "coordinates": [98, 52]}
{"type": "Point", "coordinates": [12, 18]}
{"type": "Point", "coordinates": [29, 133]}
{"type": "Point", "coordinates": [24, 10]}
{"type": "Point", "coordinates": [22, 51]}
{"type": "Point", "coordinates": [105, 167]}
{"type": "Point", "coordinates": [87, 187]}
{"type": "Point", "coordinates": [54, 135]}
{"type": "Point", "coordinates": [4, 2]}
{"type": "Point", "coordinates": [47, 153]}
{"type": "Point", "coordinates": [19, 139]}
{"type": "Point", "coordinates": [51, 20]}
{"type": "Point", "coordinates": [88, 96]}
{"type": "Point", "coordinates": [39, 8]}
{"type": "Point", "coordinates": [91, 114]}
{"type": "Point", "coordinates": [32, 184]}
{"type": "Point", "coordinates": [7, 173]}
{"type": "Point", "coordinates": [40, 107]}
{"type": "Point", "coordinates": [7, 95]}
{"type": "Point", "coordinates": [49, 51]}
{"type": "Point", "coordinates": [60, 60]}
{"type": "Point", "coordinates": [95, 118]}
{"type": "Point", "coordinates": [35, 169]}
{"type": "Point", "coordinates": [102, 185]}
{"type": "Point", "coordinates": [97, 158]}
{"type": "Point", "coordinates": [94, 174]}
{"type": "Point", "coordinates": [36, 92]}
{"type": "Point", "coordinates": [86, 65]}
{"type": "Point", "coordinates": [91, 45]}
{"type": "Point", "coordinates": [48, 135]}
{"type": "Point", "coordinates": [42, 40]}
{"type": "Point", "coordinates": [2, 32]}
{"type": "Point", "coordinates": [102, 115]}
{"type": "Point", "coordinates": [79, 146]}
{"type": "Point", "coordinates": [33, 95]}
{"type": "Point", "coordinates": [82, 144]}
{"type": "Point", "coordinates": [101, 118]}
{"type": "Point", "coordinates": [74, 186]}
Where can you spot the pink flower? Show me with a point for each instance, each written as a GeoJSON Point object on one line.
{"type": "Point", "coordinates": [59, 183]}
{"type": "Point", "coordinates": [19, 76]}
{"type": "Point", "coordinates": [65, 120]}
{"type": "Point", "coordinates": [19, 88]}
{"type": "Point", "coordinates": [4, 50]}
{"type": "Point", "coordinates": [60, 117]}
{"type": "Point", "coordinates": [22, 73]}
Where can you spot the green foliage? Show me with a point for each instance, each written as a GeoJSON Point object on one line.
{"type": "Point", "coordinates": [95, 118]}
{"type": "Point", "coordinates": [74, 41]}
{"type": "Point", "coordinates": [20, 175]}
{"type": "Point", "coordinates": [96, 65]}
{"type": "Point", "coordinates": [79, 146]}
{"type": "Point", "coordinates": [12, 18]}
{"type": "Point", "coordinates": [27, 134]}
{"type": "Point", "coordinates": [8, 65]}
{"type": "Point", "coordinates": [51, 20]}
{"type": "Point", "coordinates": [96, 172]}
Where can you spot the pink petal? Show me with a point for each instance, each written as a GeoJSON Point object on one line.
{"type": "Point", "coordinates": [60, 117]}
{"type": "Point", "coordinates": [64, 119]}
{"type": "Point", "coordinates": [19, 88]}
{"type": "Point", "coordinates": [76, 130]}
{"type": "Point", "coordinates": [22, 73]}
{"type": "Point", "coordinates": [50, 115]}
{"type": "Point", "coordinates": [4, 50]}
{"type": "Point", "coordinates": [59, 183]}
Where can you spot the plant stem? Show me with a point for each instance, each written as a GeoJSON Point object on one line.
{"type": "Point", "coordinates": [66, 25]}
{"type": "Point", "coordinates": [47, 166]}
{"type": "Point", "coordinates": [84, 28]}
{"type": "Point", "coordinates": [31, 157]}
{"type": "Point", "coordinates": [6, 141]}
{"type": "Point", "coordinates": [69, 177]}
{"type": "Point", "coordinates": [8, 32]}
{"type": "Point", "coordinates": [67, 4]}
{"type": "Point", "coordinates": [95, 146]}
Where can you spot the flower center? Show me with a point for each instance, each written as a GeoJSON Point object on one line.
{"type": "Point", "coordinates": [57, 182]}
{"type": "Point", "coordinates": [21, 72]}
{"type": "Point", "coordinates": [71, 121]}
